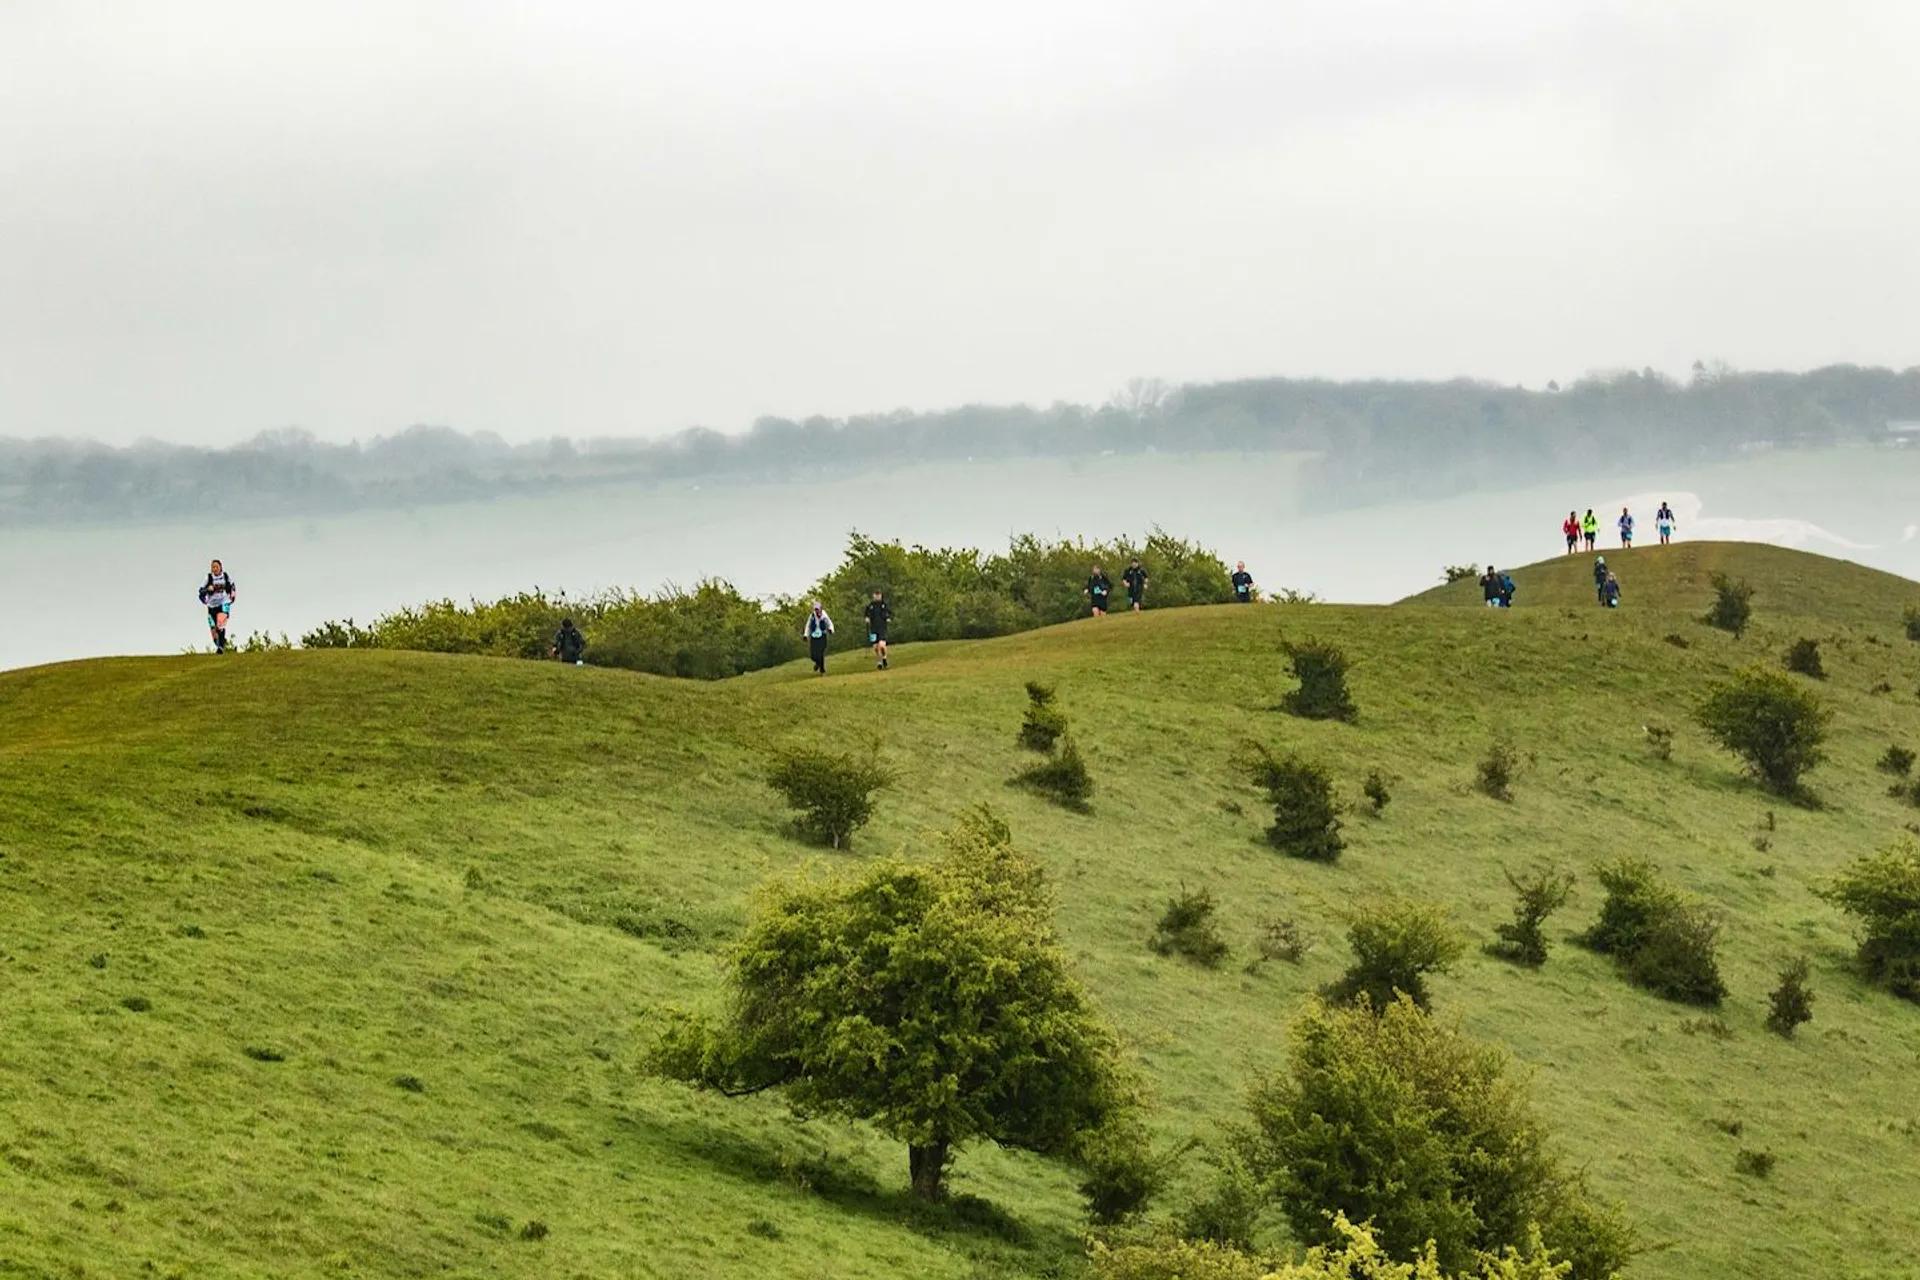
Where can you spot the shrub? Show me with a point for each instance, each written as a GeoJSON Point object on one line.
{"type": "Point", "coordinates": [1677, 640]}
{"type": "Point", "coordinates": [1119, 1174]}
{"type": "Point", "coordinates": [832, 792]}
{"type": "Point", "coordinates": [1803, 657]}
{"type": "Point", "coordinates": [1321, 669]}
{"type": "Point", "coordinates": [1043, 723]}
{"type": "Point", "coordinates": [412, 1084]}
{"type": "Point", "coordinates": [535, 1230]}
{"type": "Point", "coordinates": [1375, 790]}
{"type": "Point", "coordinates": [1882, 892]}
{"type": "Point", "coordinates": [1280, 938]}
{"type": "Point", "coordinates": [1494, 774]}
{"type": "Point", "coordinates": [1896, 760]}
{"type": "Point", "coordinates": [1228, 1208]}
{"type": "Point", "coordinates": [1187, 928]}
{"type": "Point", "coordinates": [1910, 619]}
{"type": "Point", "coordinates": [1792, 1000]}
{"type": "Point", "coordinates": [136, 1004]}
{"type": "Point", "coordinates": [1396, 944]}
{"type": "Point", "coordinates": [1663, 941]}
{"type": "Point", "coordinates": [1354, 1253]}
{"type": "Point", "coordinates": [1395, 1118]}
{"type": "Point", "coordinates": [1537, 895]}
{"type": "Point", "coordinates": [1659, 741]}
{"type": "Point", "coordinates": [1770, 722]}
{"type": "Point", "coordinates": [1457, 572]}
{"type": "Point", "coordinates": [1732, 607]}
{"type": "Point", "coordinates": [1061, 778]}
{"type": "Point", "coordinates": [1754, 1164]}
{"type": "Point", "coordinates": [1306, 819]}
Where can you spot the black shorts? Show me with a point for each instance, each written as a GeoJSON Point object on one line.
{"type": "Point", "coordinates": [1242, 597]}
{"type": "Point", "coordinates": [1100, 602]}
{"type": "Point", "coordinates": [877, 635]}
{"type": "Point", "coordinates": [1133, 597]}
{"type": "Point", "coordinates": [218, 613]}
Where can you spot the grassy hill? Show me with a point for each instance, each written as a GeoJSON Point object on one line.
{"type": "Point", "coordinates": [1680, 576]}
{"type": "Point", "coordinates": [335, 963]}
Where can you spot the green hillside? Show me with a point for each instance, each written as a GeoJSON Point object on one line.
{"type": "Point", "coordinates": [1679, 577]}
{"type": "Point", "coordinates": [337, 963]}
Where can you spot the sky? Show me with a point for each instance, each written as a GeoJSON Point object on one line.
{"type": "Point", "coordinates": [600, 218]}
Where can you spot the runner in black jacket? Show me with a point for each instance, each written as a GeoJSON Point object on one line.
{"type": "Point", "coordinates": [1099, 587]}
{"type": "Point", "coordinates": [1136, 579]}
{"type": "Point", "coordinates": [879, 614]}
{"type": "Point", "coordinates": [1242, 584]}
{"type": "Point", "coordinates": [568, 643]}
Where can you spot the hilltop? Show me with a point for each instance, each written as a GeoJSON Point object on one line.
{"type": "Point", "coordinates": [336, 963]}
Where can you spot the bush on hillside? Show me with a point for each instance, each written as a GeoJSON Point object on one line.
{"type": "Point", "coordinates": [1773, 724]}
{"type": "Point", "coordinates": [1896, 760]}
{"type": "Point", "coordinates": [1537, 895]}
{"type": "Point", "coordinates": [1187, 928]}
{"type": "Point", "coordinates": [832, 792]}
{"type": "Point", "coordinates": [1396, 944]}
{"type": "Point", "coordinates": [337, 635]}
{"type": "Point", "coordinates": [1061, 778]}
{"type": "Point", "coordinates": [1321, 669]}
{"type": "Point", "coordinates": [1663, 941]}
{"type": "Point", "coordinates": [1375, 790]}
{"type": "Point", "coordinates": [1280, 938]}
{"type": "Point", "coordinates": [1791, 1002]}
{"type": "Point", "coordinates": [1732, 607]}
{"type": "Point", "coordinates": [1398, 1119]}
{"type": "Point", "coordinates": [1355, 1253]}
{"type": "Point", "coordinates": [1803, 658]}
{"type": "Point", "coordinates": [1044, 722]}
{"type": "Point", "coordinates": [932, 999]}
{"type": "Point", "coordinates": [1882, 893]}
{"type": "Point", "coordinates": [1493, 776]}
{"type": "Point", "coordinates": [1306, 818]}
{"type": "Point", "coordinates": [1459, 572]}
{"type": "Point", "coordinates": [1119, 1172]}
{"type": "Point", "coordinates": [1227, 1209]}
{"type": "Point", "coordinates": [1910, 620]}
{"type": "Point", "coordinates": [1659, 740]}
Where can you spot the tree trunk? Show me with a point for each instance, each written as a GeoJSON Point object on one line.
{"type": "Point", "coordinates": [928, 1165]}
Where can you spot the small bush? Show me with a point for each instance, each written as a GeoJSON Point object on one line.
{"type": "Point", "coordinates": [1882, 892]}
{"type": "Point", "coordinates": [1732, 607]}
{"type": "Point", "coordinates": [832, 792]}
{"type": "Point", "coordinates": [1754, 1164]}
{"type": "Point", "coordinates": [1043, 723]}
{"type": "Point", "coordinates": [1228, 1207]}
{"type": "Point", "coordinates": [1896, 760]}
{"type": "Point", "coordinates": [1119, 1174]}
{"type": "Point", "coordinates": [1659, 741]}
{"type": "Point", "coordinates": [261, 1054]}
{"type": "Point", "coordinates": [765, 1230]}
{"type": "Point", "coordinates": [1773, 724]}
{"type": "Point", "coordinates": [1306, 818]}
{"type": "Point", "coordinates": [1280, 938]}
{"type": "Point", "coordinates": [97, 960]}
{"type": "Point", "coordinates": [1677, 640]}
{"type": "Point", "coordinates": [1910, 619]}
{"type": "Point", "coordinates": [1321, 669]}
{"type": "Point", "coordinates": [534, 1230]}
{"type": "Point", "coordinates": [1375, 790]}
{"type": "Point", "coordinates": [1494, 774]}
{"type": "Point", "coordinates": [1803, 658]}
{"type": "Point", "coordinates": [1792, 1001]}
{"type": "Point", "coordinates": [1537, 895]}
{"type": "Point", "coordinates": [136, 1004]}
{"type": "Point", "coordinates": [1062, 778]}
{"type": "Point", "coordinates": [1187, 928]}
{"type": "Point", "coordinates": [1664, 942]}
{"type": "Point", "coordinates": [411, 1084]}
{"type": "Point", "coordinates": [1456, 572]}
{"type": "Point", "coordinates": [1396, 944]}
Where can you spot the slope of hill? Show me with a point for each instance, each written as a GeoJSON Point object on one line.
{"type": "Point", "coordinates": [335, 963]}
{"type": "Point", "coordinates": [1680, 576]}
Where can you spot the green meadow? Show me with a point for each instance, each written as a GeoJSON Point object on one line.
{"type": "Point", "coordinates": [340, 963]}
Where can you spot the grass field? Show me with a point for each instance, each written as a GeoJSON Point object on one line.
{"type": "Point", "coordinates": [336, 963]}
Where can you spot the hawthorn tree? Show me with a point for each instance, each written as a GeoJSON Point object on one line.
{"type": "Point", "coordinates": [932, 999]}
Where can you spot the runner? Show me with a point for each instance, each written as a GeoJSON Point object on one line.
{"type": "Point", "coordinates": [1492, 590]}
{"type": "Point", "coordinates": [1099, 587]}
{"type": "Point", "coordinates": [1626, 529]}
{"type": "Point", "coordinates": [1610, 592]}
{"type": "Point", "coordinates": [217, 594]}
{"type": "Point", "coordinates": [1242, 583]}
{"type": "Point", "coordinates": [879, 614]}
{"type": "Point", "coordinates": [568, 643]}
{"type": "Point", "coordinates": [1136, 579]}
{"type": "Point", "coordinates": [1600, 575]}
{"type": "Point", "coordinates": [1663, 522]}
{"type": "Point", "coordinates": [1590, 528]}
{"type": "Point", "coordinates": [1571, 527]}
{"type": "Point", "coordinates": [816, 629]}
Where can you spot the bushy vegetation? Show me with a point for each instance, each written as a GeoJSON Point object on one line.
{"type": "Point", "coordinates": [947, 970]}
{"type": "Point", "coordinates": [1043, 722]}
{"type": "Point", "coordinates": [1493, 775]}
{"type": "Point", "coordinates": [1663, 940]}
{"type": "Point", "coordinates": [1732, 607]}
{"type": "Point", "coordinates": [1882, 893]}
{"type": "Point", "coordinates": [1187, 928]}
{"type": "Point", "coordinates": [1773, 724]}
{"type": "Point", "coordinates": [1280, 938]}
{"type": "Point", "coordinates": [1791, 1002]}
{"type": "Point", "coordinates": [1910, 621]}
{"type": "Point", "coordinates": [1393, 1118]}
{"type": "Point", "coordinates": [1375, 790]}
{"type": "Point", "coordinates": [1896, 759]}
{"type": "Point", "coordinates": [1062, 778]}
{"type": "Point", "coordinates": [1321, 669]}
{"type": "Point", "coordinates": [1537, 894]}
{"type": "Point", "coordinates": [1803, 658]}
{"type": "Point", "coordinates": [1396, 944]}
{"type": "Point", "coordinates": [1306, 818]}
{"type": "Point", "coordinates": [831, 791]}
{"type": "Point", "coordinates": [1354, 1254]}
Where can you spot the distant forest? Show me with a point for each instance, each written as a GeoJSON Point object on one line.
{"type": "Point", "coordinates": [1370, 441]}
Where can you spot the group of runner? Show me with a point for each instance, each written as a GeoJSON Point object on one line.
{"type": "Point", "coordinates": [1579, 528]}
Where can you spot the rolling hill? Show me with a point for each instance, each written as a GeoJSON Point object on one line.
{"type": "Point", "coordinates": [336, 963]}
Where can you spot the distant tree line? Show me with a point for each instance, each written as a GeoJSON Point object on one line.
{"type": "Point", "coordinates": [1372, 441]}
{"type": "Point", "coordinates": [712, 631]}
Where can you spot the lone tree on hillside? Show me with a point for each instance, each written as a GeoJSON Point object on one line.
{"type": "Point", "coordinates": [831, 792]}
{"type": "Point", "coordinates": [1773, 724]}
{"type": "Point", "coordinates": [931, 999]}
{"type": "Point", "coordinates": [1732, 606]}
{"type": "Point", "coordinates": [1321, 668]}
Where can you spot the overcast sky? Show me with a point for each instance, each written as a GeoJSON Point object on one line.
{"type": "Point", "coordinates": [621, 218]}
